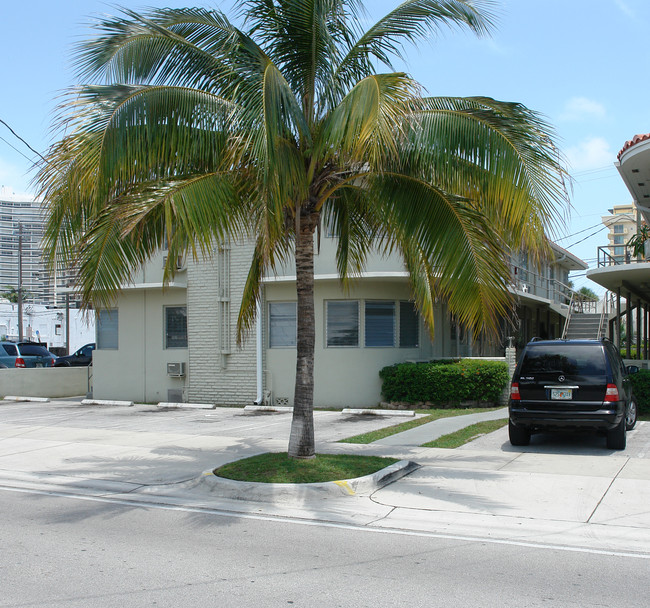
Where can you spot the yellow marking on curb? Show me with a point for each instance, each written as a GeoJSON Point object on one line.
{"type": "Point", "coordinates": [345, 485]}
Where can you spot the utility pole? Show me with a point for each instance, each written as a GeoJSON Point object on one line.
{"type": "Point", "coordinates": [20, 282]}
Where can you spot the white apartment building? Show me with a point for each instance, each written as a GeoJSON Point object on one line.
{"type": "Point", "coordinates": [21, 232]}
{"type": "Point", "coordinates": [177, 343]}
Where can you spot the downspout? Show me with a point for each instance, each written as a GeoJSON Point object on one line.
{"type": "Point", "coordinates": [258, 353]}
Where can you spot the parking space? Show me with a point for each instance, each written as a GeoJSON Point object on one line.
{"type": "Point", "coordinates": [222, 422]}
{"type": "Point", "coordinates": [585, 444]}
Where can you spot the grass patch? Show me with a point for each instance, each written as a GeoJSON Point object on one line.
{"type": "Point", "coordinates": [279, 468]}
{"type": "Point", "coordinates": [645, 417]}
{"type": "Point", "coordinates": [463, 436]}
{"type": "Point", "coordinates": [430, 416]}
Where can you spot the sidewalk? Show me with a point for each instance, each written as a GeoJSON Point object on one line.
{"type": "Point", "coordinates": [577, 502]}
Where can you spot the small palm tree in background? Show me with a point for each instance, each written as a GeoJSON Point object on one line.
{"type": "Point", "coordinates": [198, 130]}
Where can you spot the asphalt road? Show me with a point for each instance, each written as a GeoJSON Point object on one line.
{"type": "Point", "coordinates": [73, 553]}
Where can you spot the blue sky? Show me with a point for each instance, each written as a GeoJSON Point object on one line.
{"type": "Point", "coordinates": [581, 63]}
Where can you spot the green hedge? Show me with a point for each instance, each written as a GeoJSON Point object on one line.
{"type": "Point", "coordinates": [446, 382]}
{"type": "Point", "coordinates": [641, 387]}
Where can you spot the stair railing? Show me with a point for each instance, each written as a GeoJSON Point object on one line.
{"type": "Point", "coordinates": [603, 314]}
{"type": "Point", "coordinates": [568, 317]}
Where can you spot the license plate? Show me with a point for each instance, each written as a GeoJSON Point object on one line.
{"type": "Point", "coordinates": [561, 394]}
{"type": "Point", "coordinates": [38, 365]}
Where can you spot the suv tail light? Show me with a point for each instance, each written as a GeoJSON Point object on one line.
{"type": "Point", "coordinates": [611, 394]}
{"type": "Point", "coordinates": [514, 392]}
{"type": "Point", "coordinates": [20, 362]}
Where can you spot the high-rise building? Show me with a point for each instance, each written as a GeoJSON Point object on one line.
{"type": "Point", "coordinates": [21, 233]}
{"type": "Point", "coordinates": [622, 223]}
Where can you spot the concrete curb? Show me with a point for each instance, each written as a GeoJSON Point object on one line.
{"type": "Point", "coordinates": [267, 408]}
{"type": "Point", "coordinates": [30, 399]}
{"type": "Point", "coordinates": [105, 402]}
{"type": "Point", "coordinates": [196, 406]}
{"type": "Point", "coordinates": [277, 492]}
{"type": "Point", "coordinates": [379, 412]}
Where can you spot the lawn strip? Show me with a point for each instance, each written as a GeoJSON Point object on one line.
{"type": "Point", "coordinates": [463, 436]}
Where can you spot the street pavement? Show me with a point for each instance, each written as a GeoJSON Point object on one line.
{"type": "Point", "coordinates": [565, 492]}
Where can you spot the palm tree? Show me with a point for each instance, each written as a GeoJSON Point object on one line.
{"type": "Point", "coordinates": [203, 130]}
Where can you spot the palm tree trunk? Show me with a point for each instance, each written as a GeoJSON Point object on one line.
{"type": "Point", "coordinates": [301, 440]}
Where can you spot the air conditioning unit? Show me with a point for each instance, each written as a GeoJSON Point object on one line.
{"type": "Point", "coordinates": [180, 262]}
{"type": "Point", "coordinates": [176, 370]}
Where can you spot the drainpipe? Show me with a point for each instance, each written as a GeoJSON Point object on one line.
{"type": "Point", "coordinates": [258, 347]}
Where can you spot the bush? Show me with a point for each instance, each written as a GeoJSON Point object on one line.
{"type": "Point", "coordinates": [641, 388]}
{"type": "Point", "coordinates": [445, 383]}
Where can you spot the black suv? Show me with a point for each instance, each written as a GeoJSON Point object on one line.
{"type": "Point", "coordinates": [571, 385]}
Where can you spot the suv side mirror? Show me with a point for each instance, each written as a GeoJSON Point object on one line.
{"type": "Point", "coordinates": [632, 369]}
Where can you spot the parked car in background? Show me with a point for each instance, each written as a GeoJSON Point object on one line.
{"type": "Point", "coordinates": [25, 354]}
{"type": "Point", "coordinates": [83, 356]}
{"type": "Point", "coordinates": [571, 385]}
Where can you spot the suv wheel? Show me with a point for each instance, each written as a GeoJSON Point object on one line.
{"type": "Point", "coordinates": [518, 434]}
{"type": "Point", "coordinates": [616, 437]}
{"type": "Point", "coordinates": [630, 418]}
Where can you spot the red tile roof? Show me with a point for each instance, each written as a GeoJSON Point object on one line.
{"type": "Point", "coordinates": [632, 142]}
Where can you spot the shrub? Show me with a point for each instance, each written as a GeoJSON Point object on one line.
{"type": "Point", "coordinates": [641, 388]}
{"type": "Point", "coordinates": [445, 383]}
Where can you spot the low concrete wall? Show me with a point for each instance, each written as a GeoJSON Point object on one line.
{"type": "Point", "coordinates": [44, 382]}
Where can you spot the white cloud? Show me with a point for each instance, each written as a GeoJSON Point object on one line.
{"type": "Point", "coordinates": [582, 108]}
{"type": "Point", "coordinates": [592, 153]}
{"type": "Point", "coordinates": [625, 8]}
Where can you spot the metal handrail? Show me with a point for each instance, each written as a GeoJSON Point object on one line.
{"type": "Point", "coordinates": [603, 312]}
{"type": "Point", "coordinates": [568, 316]}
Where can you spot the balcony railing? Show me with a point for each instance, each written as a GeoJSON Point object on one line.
{"type": "Point", "coordinates": [528, 282]}
{"type": "Point", "coordinates": [607, 258]}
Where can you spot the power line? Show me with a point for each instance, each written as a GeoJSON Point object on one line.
{"type": "Point", "coordinates": [21, 139]}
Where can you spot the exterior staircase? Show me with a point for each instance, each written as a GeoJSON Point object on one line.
{"type": "Point", "coordinates": [583, 326]}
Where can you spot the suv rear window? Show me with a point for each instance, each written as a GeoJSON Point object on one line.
{"type": "Point", "coordinates": [10, 349]}
{"type": "Point", "coordinates": [568, 359]}
{"type": "Point", "coordinates": [33, 350]}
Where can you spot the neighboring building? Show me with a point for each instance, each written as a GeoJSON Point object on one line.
{"type": "Point", "coordinates": [47, 325]}
{"type": "Point", "coordinates": [178, 343]}
{"type": "Point", "coordinates": [16, 215]}
{"type": "Point", "coordinates": [622, 223]}
{"type": "Point", "coordinates": [628, 277]}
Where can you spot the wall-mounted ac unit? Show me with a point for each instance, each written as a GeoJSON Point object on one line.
{"type": "Point", "coordinates": [180, 262]}
{"type": "Point", "coordinates": [176, 370]}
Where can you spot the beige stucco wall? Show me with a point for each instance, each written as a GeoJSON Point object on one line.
{"type": "Point", "coordinates": [344, 376]}
{"type": "Point", "coordinates": [44, 382]}
{"type": "Point", "coordinates": [137, 370]}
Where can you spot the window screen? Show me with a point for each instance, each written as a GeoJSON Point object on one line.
{"type": "Point", "coordinates": [175, 327]}
{"type": "Point", "coordinates": [380, 323]}
{"type": "Point", "coordinates": [282, 324]}
{"type": "Point", "coordinates": [343, 323]}
{"type": "Point", "coordinates": [107, 329]}
{"type": "Point", "coordinates": [409, 333]}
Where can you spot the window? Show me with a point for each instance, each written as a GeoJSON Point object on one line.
{"type": "Point", "coordinates": [619, 251]}
{"type": "Point", "coordinates": [409, 333]}
{"type": "Point", "coordinates": [619, 228]}
{"type": "Point", "coordinates": [175, 326]}
{"type": "Point", "coordinates": [380, 324]}
{"type": "Point", "coordinates": [107, 329]}
{"type": "Point", "coordinates": [618, 240]}
{"type": "Point", "coordinates": [342, 323]}
{"type": "Point", "coordinates": [282, 324]}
